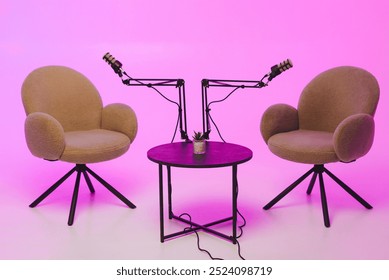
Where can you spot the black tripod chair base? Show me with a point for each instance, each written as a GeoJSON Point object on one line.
{"type": "Point", "coordinates": [84, 170]}
{"type": "Point", "coordinates": [318, 171]}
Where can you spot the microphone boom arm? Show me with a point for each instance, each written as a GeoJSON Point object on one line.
{"type": "Point", "coordinates": [207, 83]}
{"type": "Point", "coordinates": [153, 83]}
{"type": "Point", "coordinates": [177, 83]}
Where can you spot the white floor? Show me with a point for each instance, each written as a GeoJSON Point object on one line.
{"type": "Point", "coordinates": [105, 229]}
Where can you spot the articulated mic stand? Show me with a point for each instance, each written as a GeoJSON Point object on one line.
{"type": "Point", "coordinates": [153, 83]}
{"type": "Point", "coordinates": [178, 83]}
{"type": "Point", "coordinates": [237, 84]}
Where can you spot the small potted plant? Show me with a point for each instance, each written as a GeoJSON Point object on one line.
{"type": "Point", "coordinates": [198, 143]}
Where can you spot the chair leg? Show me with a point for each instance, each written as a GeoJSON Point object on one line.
{"type": "Point", "coordinates": [288, 189]}
{"type": "Point", "coordinates": [52, 188]}
{"type": "Point", "coordinates": [74, 199]}
{"type": "Point", "coordinates": [348, 189]}
{"type": "Point", "coordinates": [88, 181]}
{"type": "Point", "coordinates": [324, 201]}
{"type": "Point", "coordinates": [311, 183]}
{"type": "Point", "coordinates": [318, 170]}
{"type": "Point", "coordinates": [80, 168]}
{"type": "Point", "coordinates": [110, 188]}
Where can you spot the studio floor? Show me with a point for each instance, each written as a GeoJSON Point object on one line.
{"type": "Point", "coordinates": [105, 228]}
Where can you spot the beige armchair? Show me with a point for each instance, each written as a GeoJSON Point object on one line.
{"type": "Point", "coordinates": [66, 121]}
{"type": "Point", "coordinates": [333, 122]}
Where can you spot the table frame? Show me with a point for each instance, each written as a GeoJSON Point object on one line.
{"type": "Point", "coordinates": [196, 226]}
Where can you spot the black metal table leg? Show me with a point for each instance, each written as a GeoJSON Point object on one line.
{"type": "Point", "coordinates": [234, 201]}
{"type": "Point", "coordinates": [169, 185]}
{"type": "Point", "coordinates": [161, 219]}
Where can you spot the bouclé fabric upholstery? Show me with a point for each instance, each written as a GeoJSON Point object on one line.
{"type": "Point", "coordinates": [334, 119]}
{"type": "Point", "coordinates": [66, 119]}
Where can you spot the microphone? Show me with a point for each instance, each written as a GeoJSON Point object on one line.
{"type": "Point", "coordinates": [279, 68]}
{"type": "Point", "coordinates": [115, 64]}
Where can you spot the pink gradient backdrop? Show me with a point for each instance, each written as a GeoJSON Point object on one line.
{"type": "Point", "coordinates": [191, 40]}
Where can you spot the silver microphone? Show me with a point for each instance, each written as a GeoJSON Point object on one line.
{"type": "Point", "coordinates": [279, 68]}
{"type": "Point", "coordinates": [115, 64]}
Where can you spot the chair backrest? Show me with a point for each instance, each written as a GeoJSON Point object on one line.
{"type": "Point", "coordinates": [336, 94]}
{"type": "Point", "coordinates": [65, 94]}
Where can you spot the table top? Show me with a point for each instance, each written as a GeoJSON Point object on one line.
{"type": "Point", "coordinates": [217, 154]}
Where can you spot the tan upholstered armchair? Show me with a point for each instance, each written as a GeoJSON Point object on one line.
{"type": "Point", "coordinates": [333, 122]}
{"type": "Point", "coordinates": [66, 121]}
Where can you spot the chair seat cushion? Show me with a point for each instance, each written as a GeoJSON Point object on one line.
{"type": "Point", "coordinates": [304, 146]}
{"type": "Point", "coordinates": [94, 145]}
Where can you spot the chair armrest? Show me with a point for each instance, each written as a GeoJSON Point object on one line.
{"type": "Point", "coordinates": [353, 137]}
{"type": "Point", "coordinates": [44, 136]}
{"type": "Point", "coordinates": [278, 118]}
{"type": "Point", "coordinates": [121, 118]}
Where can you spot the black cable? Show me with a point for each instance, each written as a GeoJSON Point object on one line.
{"type": "Point", "coordinates": [237, 242]}
{"type": "Point", "coordinates": [160, 93]}
{"type": "Point", "coordinates": [260, 84]}
{"type": "Point", "coordinates": [174, 102]}
{"type": "Point", "coordinates": [236, 239]}
{"type": "Point", "coordinates": [217, 101]}
{"type": "Point", "coordinates": [241, 226]}
{"type": "Point", "coordinates": [214, 124]}
{"type": "Point", "coordinates": [240, 214]}
{"type": "Point", "coordinates": [151, 86]}
{"type": "Point", "coordinates": [175, 130]}
{"type": "Point", "coordinates": [178, 107]}
{"type": "Point", "coordinates": [198, 237]}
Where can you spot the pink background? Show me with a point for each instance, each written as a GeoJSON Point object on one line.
{"type": "Point", "coordinates": [191, 40]}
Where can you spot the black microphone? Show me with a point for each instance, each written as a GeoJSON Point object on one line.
{"type": "Point", "coordinates": [279, 68]}
{"type": "Point", "coordinates": [115, 64]}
